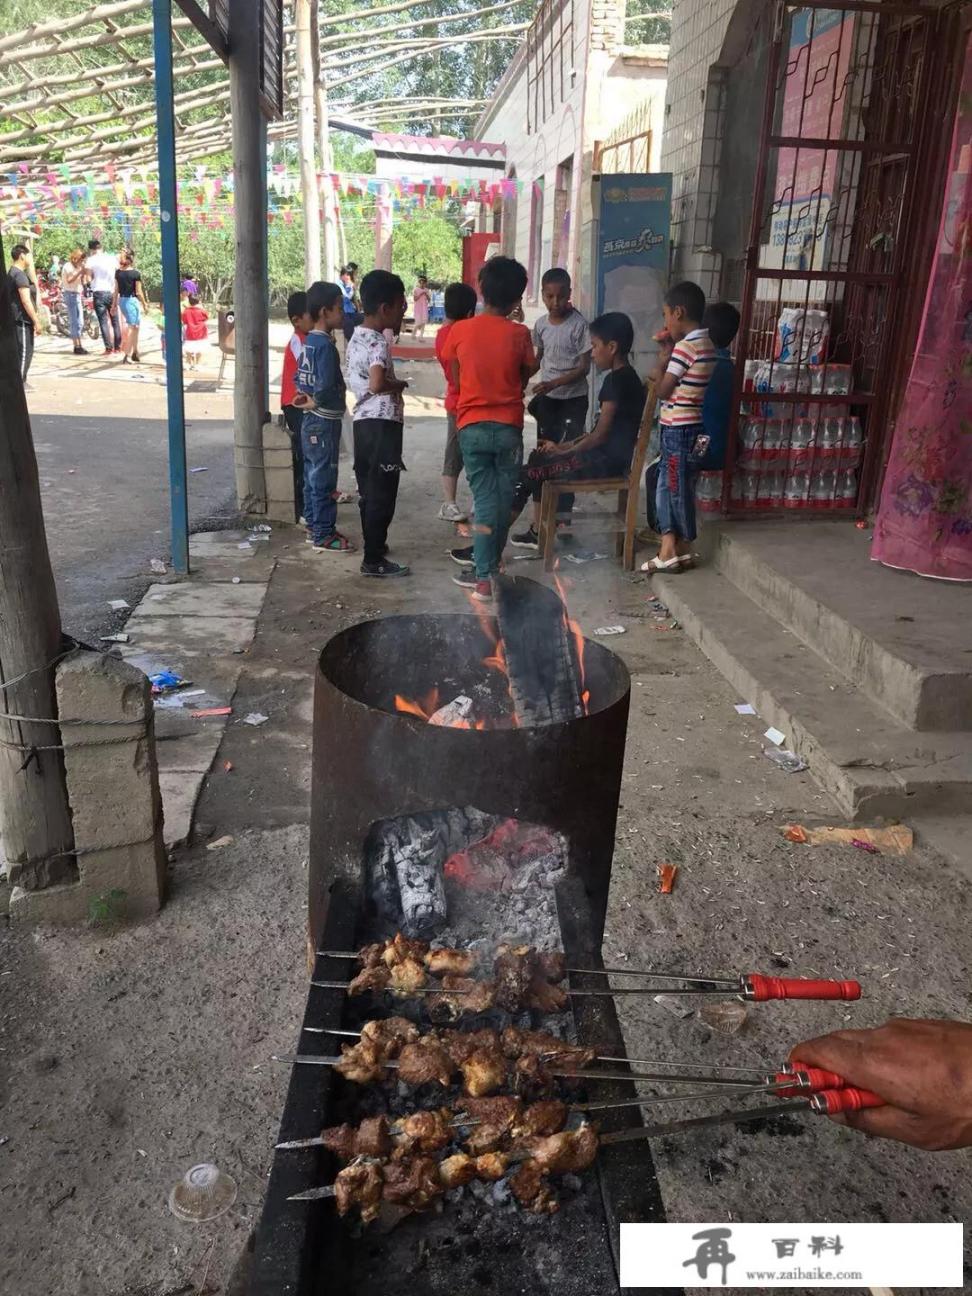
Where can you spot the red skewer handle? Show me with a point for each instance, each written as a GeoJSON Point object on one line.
{"type": "Point", "coordinates": [806, 1080]}
{"type": "Point", "coordinates": [832, 1101]}
{"type": "Point", "coordinates": [762, 988]}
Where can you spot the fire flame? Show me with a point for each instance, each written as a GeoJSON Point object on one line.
{"type": "Point", "coordinates": [424, 708]}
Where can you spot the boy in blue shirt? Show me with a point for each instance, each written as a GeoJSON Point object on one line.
{"type": "Point", "coordinates": [321, 397]}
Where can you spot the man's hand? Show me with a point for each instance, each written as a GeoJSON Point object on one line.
{"type": "Point", "coordinates": [301, 401]}
{"type": "Point", "coordinates": [922, 1069]}
{"type": "Point", "coordinates": [541, 388]}
{"type": "Point", "coordinates": [547, 447]}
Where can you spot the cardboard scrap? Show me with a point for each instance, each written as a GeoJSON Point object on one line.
{"type": "Point", "coordinates": [210, 711]}
{"type": "Point", "coordinates": [666, 878]}
{"type": "Point", "coordinates": [896, 839]}
{"type": "Point", "coordinates": [775, 736]}
{"type": "Point", "coordinates": [219, 843]}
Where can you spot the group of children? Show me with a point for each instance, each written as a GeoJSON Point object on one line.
{"type": "Point", "coordinates": [313, 397]}
{"type": "Point", "coordinates": [489, 358]}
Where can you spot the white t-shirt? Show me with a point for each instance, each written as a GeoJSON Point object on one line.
{"type": "Point", "coordinates": [102, 266]}
{"type": "Point", "coordinates": [366, 349]}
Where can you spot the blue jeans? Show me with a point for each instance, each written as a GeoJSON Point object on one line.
{"type": "Point", "coordinates": [493, 453]}
{"type": "Point", "coordinates": [75, 314]}
{"type": "Point", "coordinates": [675, 499]}
{"type": "Point", "coordinates": [320, 440]}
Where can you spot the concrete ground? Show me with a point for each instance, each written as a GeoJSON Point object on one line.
{"type": "Point", "coordinates": [129, 1055]}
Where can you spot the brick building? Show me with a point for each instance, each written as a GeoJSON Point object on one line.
{"type": "Point", "coordinates": [575, 86]}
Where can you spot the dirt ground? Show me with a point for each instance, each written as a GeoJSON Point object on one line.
{"type": "Point", "coordinates": [129, 1055]}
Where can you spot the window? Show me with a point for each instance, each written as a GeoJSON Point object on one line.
{"type": "Point", "coordinates": [561, 213]}
{"type": "Point", "coordinates": [550, 60]}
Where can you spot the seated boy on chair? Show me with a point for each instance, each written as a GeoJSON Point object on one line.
{"type": "Point", "coordinates": [606, 450]}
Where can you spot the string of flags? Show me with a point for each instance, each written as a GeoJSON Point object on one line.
{"type": "Point", "coordinates": [130, 195]}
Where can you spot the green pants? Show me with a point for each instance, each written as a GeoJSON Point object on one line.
{"type": "Point", "coordinates": [493, 453]}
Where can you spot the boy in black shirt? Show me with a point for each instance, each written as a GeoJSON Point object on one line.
{"type": "Point", "coordinates": [606, 450]}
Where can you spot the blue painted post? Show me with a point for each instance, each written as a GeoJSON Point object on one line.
{"type": "Point", "coordinates": [169, 219]}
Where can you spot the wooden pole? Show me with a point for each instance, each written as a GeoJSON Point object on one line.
{"type": "Point", "coordinates": [250, 292]}
{"type": "Point", "coordinates": [324, 151]}
{"type": "Point", "coordinates": [35, 822]}
{"type": "Point", "coordinates": [311, 198]}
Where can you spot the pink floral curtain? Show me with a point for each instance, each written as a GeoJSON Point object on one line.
{"type": "Point", "coordinates": [924, 522]}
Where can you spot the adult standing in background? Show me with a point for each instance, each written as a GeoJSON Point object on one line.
{"type": "Point", "coordinates": [421, 299]}
{"type": "Point", "coordinates": [129, 298]}
{"type": "Point", "coordinates": [73, 275]}
{"type": "Point", "coordinates": [101, 268]}
{"type": "Point", "coordinates": [23, 295]}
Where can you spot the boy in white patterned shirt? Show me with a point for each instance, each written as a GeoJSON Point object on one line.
{"type": "Point", "coordinates": [379, 416]}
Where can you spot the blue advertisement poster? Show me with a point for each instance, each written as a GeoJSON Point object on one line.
{"type": "Point", "coordinates": [633, 249]}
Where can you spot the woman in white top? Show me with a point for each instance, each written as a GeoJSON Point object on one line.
{"type": "Point", "coordinates": [73, 275]}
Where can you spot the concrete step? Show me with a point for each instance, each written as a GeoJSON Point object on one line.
{"type": "Point", "coordinates": [868, 761]}
{"type": "Point", "coordinates": [905, 641]}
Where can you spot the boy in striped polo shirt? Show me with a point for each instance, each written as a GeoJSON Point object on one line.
{"type": "Point", "coordinates": [682, 375]}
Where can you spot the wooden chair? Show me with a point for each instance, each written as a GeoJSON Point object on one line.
{"type": "Point", "coordinates": [628, 489]}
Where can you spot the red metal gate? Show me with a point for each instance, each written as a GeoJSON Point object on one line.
{"type": "Point", "coordinates": [831, 255]}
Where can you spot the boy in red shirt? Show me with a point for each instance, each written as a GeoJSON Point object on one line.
{"type": "Point", "coordinates": [460, 304]}
{"type": "Point", "coordinates": [302, 324]}
{"type": "Point", "coordinates": [491, 359]}
{"type": "Point", "coordinates": [195, 335]}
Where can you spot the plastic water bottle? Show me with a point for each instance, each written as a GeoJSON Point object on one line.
{"type": "Point", "coordinates": [847, 488]}
{"type": "Point", "coordinates": [770, 493]}
{"type": "Point", "coordinates": [750, 488]}
{"type": "Point", "coordinates": [853, 433]}
{"type": "Point", "coordinates": [830, 433]}
{"type": "Point", "coordinates": [802, 436]}
{"type": "Point", "coordinates": [796, 492]}
{"type": "Point", "coordinates": [823, 486]}
{"type": "Point", "coordinates": [773, 434]}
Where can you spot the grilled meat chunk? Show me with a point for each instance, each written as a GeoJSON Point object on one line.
{"type": "Point", "coordinates": [422, 1132]}
{"type": "Point", "coordinates": [531, 1189]}
{"type": "Point", "coordinates": [543, 997]}
{"type": "Point", "coordinates": [406, 976]}
{"type": "Point", "coordinates": [371, 955]}
{"type": "Point", "coordinates": [544, 1117]}
{"type": "Point", "coordinates": [400, 948]}
{"type": "Point", "coordinates": [339, 1139]}
{"type": "Point", "coordinates": [388, 1034]}
{"type": "Point", "coordinates": [457, 1170]}
{"type": "Point", "coordinates": [502, 1110]}
{"type": "Point", "coordinates": [373, 1138]}
{"type": "Point", "coordinates": [492, 1166]}
{"type": "Point", "coordinates": [566, 1152]}
{"type": "Point", "coordinates": [460, 1045]}
{"type": "Point", "coordinates": [541, 1044]}
{"type": "Point", "coordinates": [361, 1063]}
{"type": "Point", "coordinates": [514, 968]}
{"type": "Point", "coordinates": [469, 996]}
{"type": "Point", "coordinates": [552, 964]}
{"type": "Point", "coordinates": [483, 1072]}
{"type": "Point", "coordinates": [413, 1183]}
{"type": "Point", "coordinates": [369, 978]}
{"type": "Point", "coordinates": [454, 962]}
{"type": "Point", "coordinates": [359, 1184]}
{"type": "Point", "coordinates": [424, 1062]}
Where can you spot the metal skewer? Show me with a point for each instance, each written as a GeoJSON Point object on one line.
{"type": "Point", "coordinates": [604, 994]}
{"type": "Point", "coordinates": [560, 1072]}
{"type": "Point", "coordinates": [687, 1076]}
{"type": "Point", "coordinates": [600, 1057]}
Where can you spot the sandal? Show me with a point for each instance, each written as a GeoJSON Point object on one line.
{"type": "Point", "coordinates": [686, 561]}
{"type": "Point", "coordinates": [662, 565]}
{"type": "Point", "coordinates": [336, 543]}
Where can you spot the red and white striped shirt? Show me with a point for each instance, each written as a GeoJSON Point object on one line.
{"type": "Point", "coordinates": [692, 363]}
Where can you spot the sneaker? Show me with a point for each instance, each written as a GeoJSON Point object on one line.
{"type": "Point", "coordinates": [384, 568]}
{"type": "Point", "coordinates": [462, 556]}
{"type": "Point", "coordinates": [526, 540]}
{"type": "Point", "coordinates": [302, 521]}
{"type": "Point", "coordinates": [109, 351]}
{"type": "Point", "coordinates": [481, 589]}
{"type": "Point", "coordinates": [335, 543]}
{"type": "Point", "coordinates": [451, 512]}
{"type": "Point", "coordinates": [126, 360]}
{"type": "Point", "coordinates": [79, 350]}
{"type": "Point", "coordinates": [115, 351]}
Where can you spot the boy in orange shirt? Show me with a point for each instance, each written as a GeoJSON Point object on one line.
{"type": "Point", "coordinates": [491, 360]}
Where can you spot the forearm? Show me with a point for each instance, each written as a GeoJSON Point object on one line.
{"type": "Point", "coordinates": [570, 377]}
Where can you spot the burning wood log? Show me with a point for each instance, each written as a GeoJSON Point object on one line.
{"type": "Point", "coordinates": [540, 652]}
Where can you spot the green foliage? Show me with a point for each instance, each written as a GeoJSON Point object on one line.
{"type": "Point", "coordinates": [429, 245]}
{"type": "Point", "coordinates": [107, 908]}
{"type": "Point", "coordinates": [648, 31]}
